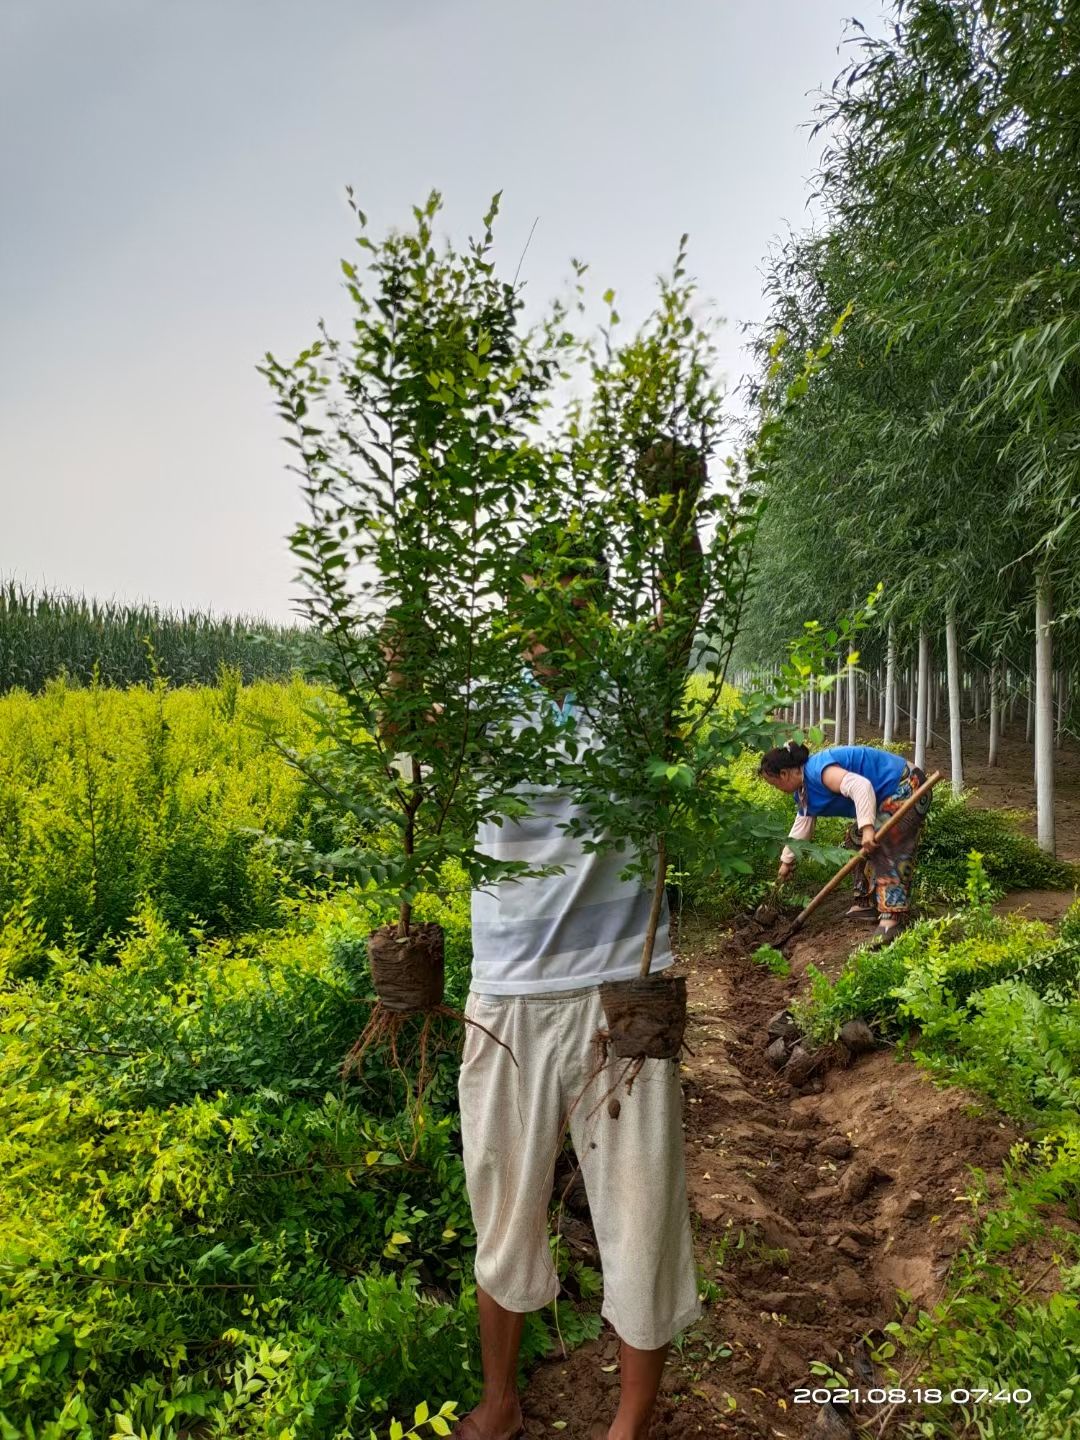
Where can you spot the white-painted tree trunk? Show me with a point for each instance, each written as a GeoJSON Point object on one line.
{"type": "Point", "coordinates": [995, 712]}
{"type": "Point", "coordinates": [1000, 678]}
{"type": "Point", "coordinates": [839, 703]}
{"type": "Point", "coordinates": [922, 703]}
{"type": "Point", "coordinates": [913, 702]}
{"type": "Point", "coordinates": [853, 702]}
{"type": "Point", "coordinates": [952, 661]}
{"type": "Point", "coordinates": [890, 688]}
{"type": "Point", "coordinates": [1044, 714]}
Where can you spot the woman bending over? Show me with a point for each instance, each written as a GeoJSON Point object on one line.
{"type": "Point", "coordinates": [866, 785]}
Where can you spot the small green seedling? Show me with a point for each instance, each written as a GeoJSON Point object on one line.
{"type": "Point", "coordinates": [776, 962]}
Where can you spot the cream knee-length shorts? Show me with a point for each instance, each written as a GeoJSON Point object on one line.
{"type": "Point", "coordinates": [512, 1122]}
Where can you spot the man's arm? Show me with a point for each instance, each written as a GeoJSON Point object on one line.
{"type": "Point", "coordinates": [393, 651]}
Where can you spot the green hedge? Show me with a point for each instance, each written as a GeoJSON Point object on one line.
{"type": "Point", "coordinates": [203, 1229]}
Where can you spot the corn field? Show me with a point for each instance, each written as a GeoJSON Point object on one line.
{"type": "Point", "coordinates": [45, 635]}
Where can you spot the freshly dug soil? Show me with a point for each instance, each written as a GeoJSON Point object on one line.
{"type": "Point", "coordinates": [645, 1017]}
{"type": "Point", "coordinates": [810, 1210]}
{"type": "Point", "coordinates": [408, 973]}
{"type": "Point", "coordinates": [805, 1270]}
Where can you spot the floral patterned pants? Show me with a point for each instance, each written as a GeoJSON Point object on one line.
{"type": "Point", "coordinates": [888, 872]}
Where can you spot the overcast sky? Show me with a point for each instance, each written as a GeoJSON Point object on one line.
{"type": "Point", "coordinates": [172, 176]}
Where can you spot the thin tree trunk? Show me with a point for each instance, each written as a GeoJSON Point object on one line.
{"type": "Point", "coordinates": [1030, 711]}
{"type": "Point", "coordinates": [853, 703]}
{"type": "Point", "coordinates": [922, 704]}
{"type": "Point", "coordinates": [952, 661]}
{"type": "Point", "coordinates": [1044, 714]}
{"type": "Point", "coordinates": [890, 688]}
{"type": "Point", "coordinates": [913, 702]}
{"type": "Point", "coordinates": [839, 702]}
{"type": "Point", "coordinates": [1000, 678]}
{"type": "Point", "coordinates": [654, 909]}
{"type": "Point", "coordinates": [995, 711]}
{"type": "Point", "coordinates": [813, 699]}
{"type": "Point", "coordinates": [1062, 706]}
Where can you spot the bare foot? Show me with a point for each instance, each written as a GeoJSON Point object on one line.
{"type": "Point", "coordinates": [489, 1422]}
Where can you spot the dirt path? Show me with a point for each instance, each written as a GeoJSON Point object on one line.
{"type": "Point", "coordinates": [811, 1209]}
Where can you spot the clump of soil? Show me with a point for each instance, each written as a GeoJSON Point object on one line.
{"type": "Point", "coordinates": [645, 1018]}
{"type": "Point", "coordinates": [409, 975]}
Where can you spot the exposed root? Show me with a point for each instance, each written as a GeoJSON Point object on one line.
{"type": "Point", "coordinates": [626, 1076]}
{"type": "Point", "coordinates": [476, 1024]}
{"type": "Point", "coordinates": [385, 1028]}
{"type": "Point", "coordinates": [629, 1073]}
{"type": "Point", "coordinates": [407, 1040]}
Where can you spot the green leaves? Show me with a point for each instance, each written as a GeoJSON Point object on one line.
{"type": "Point", "coordinates": [423, 454]}
{"type": "Point", "coordinates": [194, 1209]}
{"type": "Point", "coordinates": [949, 241]}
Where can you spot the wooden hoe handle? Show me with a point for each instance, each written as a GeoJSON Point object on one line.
{"type": "Point", "coordinates": [858, 858]}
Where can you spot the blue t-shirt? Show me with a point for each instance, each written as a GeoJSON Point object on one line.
{"type": "Point", "coordinates": [881, 767]}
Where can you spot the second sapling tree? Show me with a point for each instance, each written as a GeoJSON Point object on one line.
{"type": "Point", "coordinates": [655, 779]}
{"type": "Point", "coordinates": [414, 444]}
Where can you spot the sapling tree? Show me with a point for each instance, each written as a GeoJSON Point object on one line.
{"type": "Point", "coordinates": [414, 440]}
{"type": "Point", "coordinates": [653, 779]}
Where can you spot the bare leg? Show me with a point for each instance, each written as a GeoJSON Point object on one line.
{"type": "Point", "coordinates": [640, 1374]}
{"type": "Point", "coordinates": [498, 1416]}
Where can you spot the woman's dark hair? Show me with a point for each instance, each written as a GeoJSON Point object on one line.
{"type": "Point", "coordinates": [785, 757]}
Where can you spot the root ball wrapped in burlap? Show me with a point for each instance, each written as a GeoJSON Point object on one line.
{"type": "Point", "coordinates": [408, 972]}
{"type": "Point", "coordinates": [672, 467]}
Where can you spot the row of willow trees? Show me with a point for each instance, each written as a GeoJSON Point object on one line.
{"type": "Point", "coordinates": [939, 453]}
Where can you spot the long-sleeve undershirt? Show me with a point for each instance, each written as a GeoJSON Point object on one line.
{"type": "Point", "coordinates": [803, 829]}
{"type": "Point", "coordinates": [858, 790]}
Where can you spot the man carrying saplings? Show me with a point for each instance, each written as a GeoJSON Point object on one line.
{"type": "Point", "coordinates": [541, 949]}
